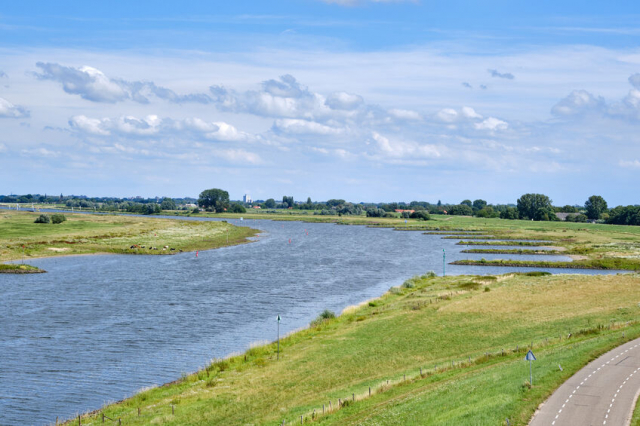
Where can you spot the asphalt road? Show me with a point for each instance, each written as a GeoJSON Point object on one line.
{"type": "Point", "coordinates": [602, 393]}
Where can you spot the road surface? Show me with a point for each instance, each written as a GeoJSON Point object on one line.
{"type": "Point", "coordinates": [602, 393]}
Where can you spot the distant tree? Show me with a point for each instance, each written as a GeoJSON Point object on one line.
{"type": "Point", "coordinates": [287, 202]}
{"type": "Point", "coordinates": [569, 209]}
{"type": "Point", "coordinates": [595, 206]}
{"type": "Point", "coordinates": [375, 212]}
{"type": "Point", "coordinates": [487, 212]}
{"type": "Point", "coordinates": [439, 203]}
{"type": "Point", "coordinates": [335, 203]}
{"type": "Point", "coordinates": [629, 215]}
{"type": "Point", "coordinates": [467, 203]}
{"type": "Point", "coordinates": [545, 214]}
{"type": "Point", "coordinates": [460, 210]}
{"type": "Point", "coordinates": [510, 213]}
{"type": "Point", "coordinates": [576, 218]}
{"type": "Point", "coordinates": [168, 204]}
{"type": "Point", "coordinates": [214, 199]}
{"type": "Point", "coordinates": [270, 203]}
{"type": "Point", "coordinates": [530, 204]}
{"type": "Point", "coordinates": [420, 214]}
{"type": "Point", "coordinates": [237, 208]}
{"type": "Point", "coordinates": [479, 204]}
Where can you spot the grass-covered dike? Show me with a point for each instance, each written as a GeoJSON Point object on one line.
{"type": "Point", "coordinates": [450, 348]}
{"type": "Point", "coordinates": [20, 269]}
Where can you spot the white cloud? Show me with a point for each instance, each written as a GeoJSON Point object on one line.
{"type": "Point", "coordinates": [403, 149]}
{"type": "Point", "coordinates": [303, 127]}
{"type": "Point", "coordinates": [3, 147]}
{"type": "Point", "coordinates": [450, 115]}
{"type": "Point", "coordinates": [9, 110]}
{"type": "Point", "coordinates": [41, 152]}
{"type": "Point", "coordinates": [635, 80]}
{"type": "Point", "coordinates": [492, 124]}
{"type": "Point", "coordinates": [633, 164]}
{"type": "Point", "coordinates": [579, 102]}
{"type": "Point", "coordinates": [153, 126]}
{"type": "Point", "coordinates": [239, 156]}
{"type": "Point", "coordinates": [343, 101]}
{"type": "Point", "coordinates": [405, 114]}
{"type": "Point", "coordinates": [93, 85]}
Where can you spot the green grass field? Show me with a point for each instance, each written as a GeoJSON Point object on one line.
{"type": "Point", "coordinates": [426, 323]}
{"type": "Point", "coordinates": [90, 234]}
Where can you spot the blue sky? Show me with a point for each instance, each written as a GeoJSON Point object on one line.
{"type": "Point", "coordinates": [357, 99]}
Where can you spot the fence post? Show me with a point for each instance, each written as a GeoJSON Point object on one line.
{"type": "Point", "coordinates": [353, 397]}
{"type": "Point", "coordinates": [421, 371]}
{"type": "Point", "coordinates": [300, 419]}
{"type": "Point", "coordinates": [138, 411]}
{"type": "Point", "coordinates": [369, 390]}
{"type": "Point", "coordinates": [102, 418]}
{"type": "Point", "coordinates": [79, 422]}
{"type": "Point", "coordinates": [322, 409]}
{"type": "Point", "coordinates": [172, 410]}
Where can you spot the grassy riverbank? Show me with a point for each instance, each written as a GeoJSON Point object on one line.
{"type": "Point", "coordinates": [426, 323]}
{"type": "Point", "coordinates": [600, 264]}
{"type": "Point", "coordinates": [21, 238]}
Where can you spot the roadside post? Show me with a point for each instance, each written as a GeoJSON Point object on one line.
{"type": "Point", "coordinates": [278, 355]}
{"type": "Point", "coordinates": [530, 357]}
{"type": "Point", "coordinates": [443, 263]}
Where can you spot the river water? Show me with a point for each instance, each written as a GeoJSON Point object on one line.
{"type": "Point", "coordinates": [96, 329]}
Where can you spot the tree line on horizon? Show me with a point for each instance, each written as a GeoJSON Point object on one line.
{"type": "Point", "coordinates": [537, 207]}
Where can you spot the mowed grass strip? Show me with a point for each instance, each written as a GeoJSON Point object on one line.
{"type": "Point", "coordinates": [88, 234]}
{"type": "Point", "coordinates": [427, 322]}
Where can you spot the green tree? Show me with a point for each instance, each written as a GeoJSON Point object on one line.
{"type": "Point", "coordinates": [287, 202]}
{"type": "Point", "coordinates": [168, 204]}
{"type": "Point", "coordinates": [510, 213]}
{"type": "Point", "coordinates": [214, 199]}
{"type": "Point", "coordinates": [479, 205]}
{"type": "Point", "coordinates": [58, 218]}
{"type": "Point", "coordinates": [530, 204]}
{"type": "Point", "coordinates": [237, 208]}
{"type": "Point", "coordinates": [595, 206]}
{"type": "Point", "coordinates": [467, 203]}
{"type": "Point", "coordinates": [43, 218]}
{"type": "Point", "coordinates": [270, 203]}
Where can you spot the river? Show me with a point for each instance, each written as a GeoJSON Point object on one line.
{"type": "Point", "coordinates": [96, 329]}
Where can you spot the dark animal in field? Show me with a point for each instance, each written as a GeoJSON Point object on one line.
{"type": "Point", "coordinates": [173, 249]}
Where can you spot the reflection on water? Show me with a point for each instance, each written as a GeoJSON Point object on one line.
{"type": "Point", "coordinates": [97, 328]}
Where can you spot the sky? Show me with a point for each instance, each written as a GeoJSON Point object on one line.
{"type": "Point", "coordinates": [364, 100]}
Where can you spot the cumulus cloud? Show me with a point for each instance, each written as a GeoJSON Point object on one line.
{"type": "Point", "coordinates": [578, 102]}
{"type": "Point", "coordinates": [154, 126]}
{"type": "Point", "coordinates": [93, 85]}
{"type": "Point", "coordinates": [635, 80]}
{"type": "Point", "coordinates": [284, 98]}
{"type": "Point", "coordinates": [497, 74]}
{"type": "Point", "coordinates": [403, 149]}
{"type": "Point", "coordinates": [467, 85]}
{"type": "Point", "coordinates": [492, 124]}
{"type": "Point", "coordinates": [41, 152]}
{"type": "Point", "coordinates": [343, 101]}
{"type": "Point", "coordinates": [3, 147]}
{"type": "Point", "coordinates": [450, 115]}
{"type": "Point", "coordinates": [9, 110]}
{"type": "Point", "coordinates": [303, 127]}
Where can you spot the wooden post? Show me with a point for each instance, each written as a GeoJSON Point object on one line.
{"type": "Point", "coordinates": [79, 422]}
{"type": "Point", "coordinates": [102, 418]}
{"type": "Point", "coordinates": [119, 421]}
{"type": "Point", "coordinates": [353, 397]}
{"type": "Point", "coordinates": [300, 419]}
{"type": "Point", "coordinates": [339, 403]}
{"type": "Point", "coordinates": [469, 359]}
{"type": "Point", "coordinates": [404, 377]}
{"type": "Point", "coordinates": [138, 411]}
{"type": "Point", "coordinates": [330, 409]}
{"type": "Point", "coordinates": [172, 409]}
{"type": "Point", "coordinates": [322, 409]}
{"type": "Point", "coordinates": [421, 371]}
{"type": "Point", "coordinates": [369, 390]}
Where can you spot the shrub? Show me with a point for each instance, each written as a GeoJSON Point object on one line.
{"type": "Point", "coordinates": [324, 316]}
{"type": "Point", "coordinates": [58, 218]}
{"type": "Point", "coordinates": [420, 214]}
{"type": "Point", "coordinates": [537, 274]}
{"type": "Point", "coordinates": [430, 274]}
{"type": "Point", "coordinates": [43, 218]}
{"type": "Point", "coordinates": [408, 284]}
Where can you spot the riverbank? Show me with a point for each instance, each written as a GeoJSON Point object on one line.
{"type": "Point", "coordinates": [422, 349]}
{"type": "Point", "coordinates": [21, 238]}
{"type": "Point", "coordinates": [614, 264]}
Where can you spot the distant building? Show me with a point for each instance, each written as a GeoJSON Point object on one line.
{"type": "Point", "coordinates": [403, 211]}
{"type": "Point", "coordinates": [246, 199]}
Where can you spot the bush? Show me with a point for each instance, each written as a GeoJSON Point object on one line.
{"type": "Point", "coordinates": [58, 218]}
{"type": "Point", "coordinates": [43, 218]}
{"type": "Point", "coordinates": [430, 274]}
{"type": "Point", "coordinates": [324, 316]}
{"type": "Point", "coordinates": [420, 214]}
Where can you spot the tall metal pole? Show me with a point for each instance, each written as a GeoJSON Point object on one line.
{"type": "Point", "coordinates": [443, 263]}
{"type": "Point", "coordinates": [530, 375]}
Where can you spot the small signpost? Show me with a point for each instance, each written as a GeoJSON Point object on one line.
{"type": "Point", "coordinates": [530, 357]}
{"type": "Point", "coordinates": [443, 263]}
{"type": "Point", "coordinates": [278, 355]}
